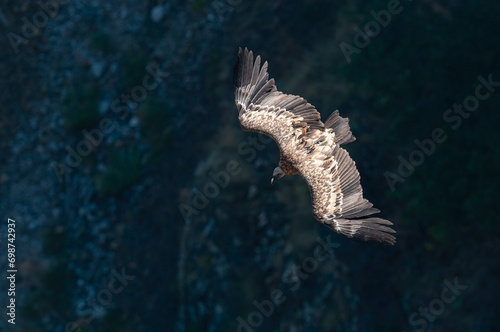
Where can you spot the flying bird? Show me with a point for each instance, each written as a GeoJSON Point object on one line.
{"type": "Point", "coordinates": [310, 148]}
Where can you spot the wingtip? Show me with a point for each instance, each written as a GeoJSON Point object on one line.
{"type": "Point", "coordinates": [365, 229]}
{"type": "Point", "coordinates": [392, 242]}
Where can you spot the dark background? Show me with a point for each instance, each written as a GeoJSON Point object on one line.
{"type": "Point", "coordinates": [120, 208]}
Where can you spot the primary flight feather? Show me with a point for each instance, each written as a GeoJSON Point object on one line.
{"type": "Point", "coordinates": [310, 148]}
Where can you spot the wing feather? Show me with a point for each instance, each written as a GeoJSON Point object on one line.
{"type": "Point", "coordinates": [337, 195]}
{"type": "Point", "coordinates": [341, 128]}
{"type": "Point", "coordinates": [261, 92]}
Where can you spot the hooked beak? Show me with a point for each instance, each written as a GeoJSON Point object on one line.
{"type": "Point", "coordinates": [272, 180]}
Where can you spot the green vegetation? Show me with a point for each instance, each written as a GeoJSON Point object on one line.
{"type": "Point", "coordinates": [112, 321]}
{"type": "Point", "coordinates": [81, 105]}
{"type": "Point", "coordinates": [215, 81]}
{"type": "Point", "coordinates": [124, 167]}
{"type": "Point", "coordinates": [157, 125]}
{"type": "Point", "coordinates": [54, 294]}
{"type": "Point", "coordinates": [198, 5]}
{"type": "Point", "coordinates": [103, 42]}
{"type": "Point", "coordinates": [134, 68]}
{"type": "Point", "coordinates": [196, 326]}
{"type": "Point", "coordinates": [57, 240]}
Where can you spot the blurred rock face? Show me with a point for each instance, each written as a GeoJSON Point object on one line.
{"type": "Point", "coordinates": [139, 98]}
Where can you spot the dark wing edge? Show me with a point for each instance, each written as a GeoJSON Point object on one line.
{"type": "Point", "coordinates": [340, 126]}
{"type": "Point", "coordinates": [251, 81]}
{"type": "Point", "coordinates": [368, 229]}
{"type": "Point", "coordinates": [353, 220]}
{"type": "Point", "coordinates": [253, 86]}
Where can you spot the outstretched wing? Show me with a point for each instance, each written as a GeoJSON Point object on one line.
{"type": "Point", "coordinates": [334, 182]}
{"type": "Point", "coordinates": [311, 147]}
{"type": "Point", "coordinates": [264, 109]}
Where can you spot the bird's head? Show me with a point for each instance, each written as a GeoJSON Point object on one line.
{"type": "Point", "coordinates": [277, 174]}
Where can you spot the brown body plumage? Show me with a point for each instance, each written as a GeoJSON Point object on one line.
{"type": "Point", "coordinates": [310, 148]}
{"type": "Point", "coordinates": [287, 168]}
